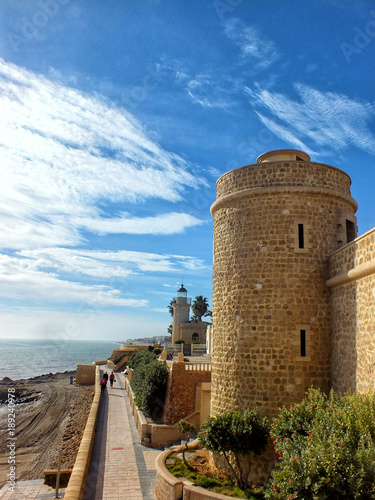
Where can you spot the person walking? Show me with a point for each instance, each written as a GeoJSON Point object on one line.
{"type": "Point", "coordinates": [112, 379]}
{"type": "Point", "coordinates": [103, 384]}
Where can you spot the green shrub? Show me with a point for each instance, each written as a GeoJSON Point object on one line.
{"type": "Point", "coordinates": [149, 384]}
{"type": "Point", "coordinates": [326, 448]}
{"type": "Point", "coordinates": [240, 433]}
{"type": "Point", "coordinates": [180, 341]}
{"type": "Point", "coordinates": [140, 357]}
{"type": "Point", "coordinates": [156, 380]}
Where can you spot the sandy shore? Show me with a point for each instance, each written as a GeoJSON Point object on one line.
{"type": "Point", "coordinates": [51, 414]}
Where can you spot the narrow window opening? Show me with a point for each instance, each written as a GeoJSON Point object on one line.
{"type": "Point", "coordinates": [301, 236]}
{"type": "Point", "coordinates": [350, 231]}
{"type": "Point", "coordinates": [303, 342]}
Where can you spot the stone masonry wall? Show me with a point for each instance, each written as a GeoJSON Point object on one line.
{"type": "Point", "coordinates": [283, 174]}
{"type": "Point", "coordinates": [266, 290]}
{"type": "Point", "coordinates": [180, 400]}
{"type": "Point", "coordinates": [352, 281]}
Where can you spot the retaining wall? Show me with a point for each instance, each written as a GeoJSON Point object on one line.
{"type": "Point", "coordinates": [77, 480]}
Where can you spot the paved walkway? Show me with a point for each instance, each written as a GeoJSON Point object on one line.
{"type": "Point", "coordinates": [120, 468]}
{"type": "Point", "coordinates": [30, 490]}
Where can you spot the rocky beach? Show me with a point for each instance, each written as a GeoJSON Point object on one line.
{"type": "Point", "coordinates": [51, 413]}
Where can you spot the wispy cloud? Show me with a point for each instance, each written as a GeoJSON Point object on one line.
{"type": "Point", "coordinates": [22, 281]}
{"type": "Point", "coordinates": [170, 223]}
{"type": "Point", "coordinates": [252, 43]}
{"type": "Point", "coordinates": [323, 118]}
{"type": "Point", "coordinates": [58, 275]}
{"type": "Point", "coordinates": [107, 264]}
{"type": "Point", "coordinates": [62, 151]}
{"type": "Point", "coordinates": [210, 92]}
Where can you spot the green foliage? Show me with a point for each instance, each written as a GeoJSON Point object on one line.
{"type": "Point", "coordinates": [238, 432]}
{"type": "Point", "coordinates": [170, 307]}
{"type": "Point", "coordinates": [149, 384]}
{"type": "Point", "coordinates": [225, 487]}
{"type": "Point", "coordinates": [326, 448]}
{"type": "Point", "coordinates": [180, 341]}
{"type": "Point", "coordinates": [185, 428]}
{"type": "Point", "coordinates": [150, 348]}
{"type": "Point", "coordinates": [199, 306]}
{"type": "Point", "coordinates": [140, 357]}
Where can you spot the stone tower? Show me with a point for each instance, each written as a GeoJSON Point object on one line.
{"type": "Point", "coordinates": [181, 312]}
{"type": "Point", "coordinates": [275, 224]}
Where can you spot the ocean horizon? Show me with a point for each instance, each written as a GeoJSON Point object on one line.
{"type": "Point", "coordinates": [26, 358]}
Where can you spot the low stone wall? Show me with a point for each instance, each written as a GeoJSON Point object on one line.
{"type": "Point", "coordinates": [85, 374]}
{"type": "Point", "coordinates": [153, 435]}
{"type": "Point", "coordinates": [77, 480]}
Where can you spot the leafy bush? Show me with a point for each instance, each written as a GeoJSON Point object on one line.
{"type": "Point", "coordinates": [180, 341]}
{"type": "Point", "coordinates": [140, 357]}
{"type": "Point", "coordinates": [326, 448]}
{"type": "Point", "coordinates": [240, 433]}
{"type": "Point", "coordinates": [153, 397]}
{"type": "Point", "coordinates": [149, 383]}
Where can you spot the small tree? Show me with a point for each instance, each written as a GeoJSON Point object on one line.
{"type": "Point", "coordinates": [239, 433]}
{"type": "Point", "coordinates": [185, 428]}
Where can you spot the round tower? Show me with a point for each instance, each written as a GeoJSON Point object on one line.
{"type": "Point", "coordinates": [275, 224]}
{"type": "Point", "coordinates": [181, 312]}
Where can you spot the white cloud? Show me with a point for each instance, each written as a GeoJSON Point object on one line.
{"type": "Point", "coordinates": [252, 43]}
{"type": "Point", "coordinates": [103, 264]}
{"type": "Point", "coordinates": [62, 151]}
{"type": "Point", "coordinates": [21, 281]}
{"type": "Point", "coordinates": [170, 223]}
{"type": "Point", "coordinates": [327, 119]}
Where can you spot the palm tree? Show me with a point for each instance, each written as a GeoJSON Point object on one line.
{"type": "Point", "coordinates": [200, 306]}
{"type": "Point", "coordinates": [170, 307]}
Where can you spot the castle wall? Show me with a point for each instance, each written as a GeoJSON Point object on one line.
{"type": "Point", "coordinates": [267, 290]}
{"type": "Point", "coordinates": [352, 283]}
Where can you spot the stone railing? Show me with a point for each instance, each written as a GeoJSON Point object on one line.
{"type": "Point", "coordinates": [198, 366]}
{"type": "Point", "coordinates": [198, 349]}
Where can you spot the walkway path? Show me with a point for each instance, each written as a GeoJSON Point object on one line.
{"type": "Point", "coordinates": [121, 468]}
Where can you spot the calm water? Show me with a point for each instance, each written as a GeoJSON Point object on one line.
{"type": "Point", "coordinates": [28, 358]}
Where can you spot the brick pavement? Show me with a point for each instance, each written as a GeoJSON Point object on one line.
{"type": "Point", "coordinates": [120, 467]}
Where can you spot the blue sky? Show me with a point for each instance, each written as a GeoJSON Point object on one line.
{"type": "Point", "coordinates": [118, 117]}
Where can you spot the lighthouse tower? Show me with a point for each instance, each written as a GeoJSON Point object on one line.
{"type": "Point", "coordinates": [181, 312]}
{"type": "Point", "coordinates": [276, 223]}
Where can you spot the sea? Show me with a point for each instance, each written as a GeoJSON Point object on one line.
{"type": "Point", "coordinates": [29, 358]}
